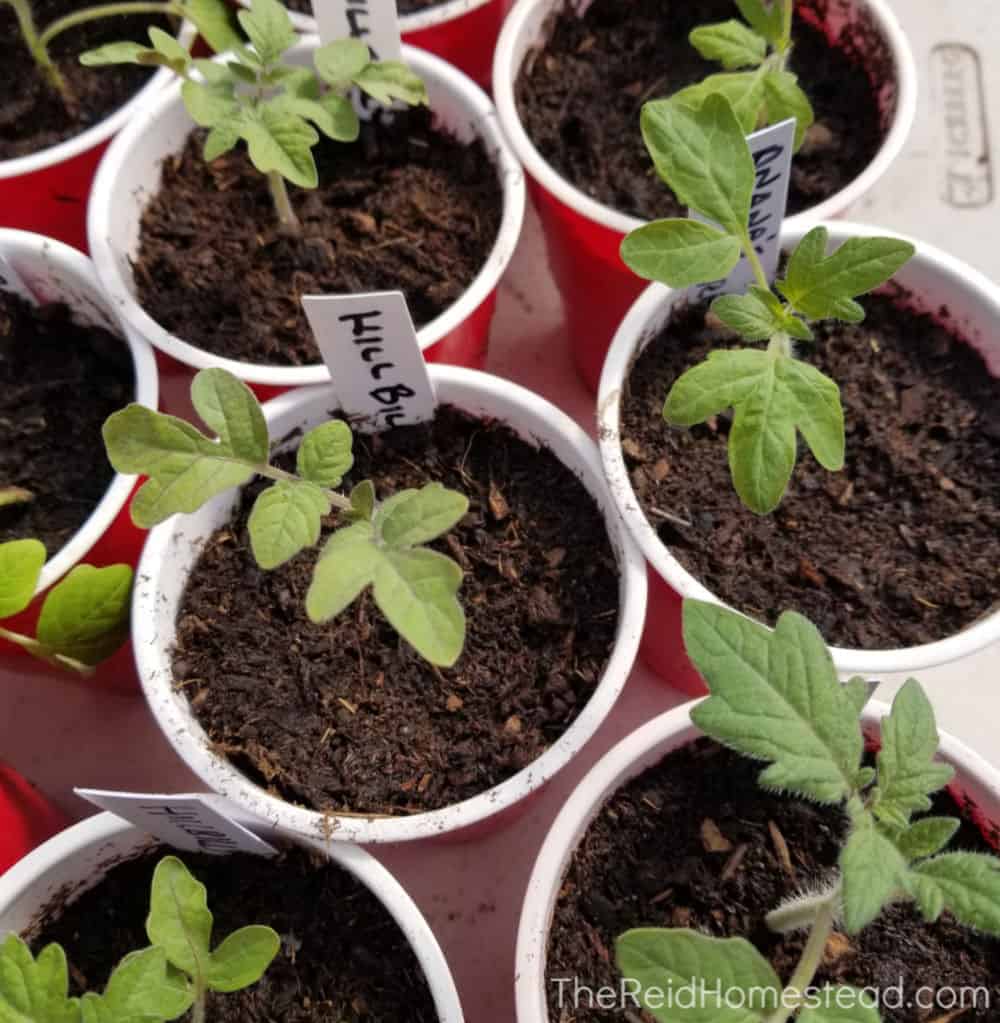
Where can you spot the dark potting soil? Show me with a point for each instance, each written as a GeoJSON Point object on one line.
{"type": "Point", "coordinates": [32, 115]}
{"type": "Point", "coordinates": [580, 97]}
{"type": "Point", "coordinates": [59, 381]}
{"type": "Point", "coordinates": [403, 6]}
{"type": "Point", "coordinates": [695, 842]}
{"type": "Point", "coordinates": [343, 958]}
{"type": "Point", "coordinates": [406, 207]}
{"type": "Point", "coordinates": [900, 548]}
{"type": "Point", "coordinates": [347, 717]}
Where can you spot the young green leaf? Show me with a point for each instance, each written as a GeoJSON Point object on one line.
{"type": "Point", "coordinates": [704, 157]}
{"type": "Point", "coordinates": [759, 315]}
{"type": "Point", "coordinates": [220, 139]}
{"type": "Point", "coordinates": [341, 61]}
{"type": "Point", "coordinates": [860, 691]}
{"type": "Point", "coordinates": [414, 517]}
{"type": "Point", "coordinates": [12, 496]}
{"type": "Point", "coordinates": [669, 960]}
{"type": "Point", "coordinates": [363, 500]}
{"type": "Point", "coordinates": [34, 990]}
{"type": "Point", "coordinates": [730, 43]}
{"type": "Point", "coordinates": [280, 142]}
{"type": "Point", "coordinates": [744, 90]}
{"type": "Point", "coordinates": [21, 563]}
{"type": "Point", "coordinates": [332, 114]}
{"type": "Point", "coordinates": [214, 23]}
{"type": "Point", "coordinates": [839, 1004]}
{"type": "Point", "coordinates": [391, 80]}
{"type": "Point", "coordinates": [872, 870]}
{"type": "Point", "coordinates": [907, 771]}
{"type": "Point", "coordinates": [86, 616]}
{"type": "Point", "coordinates": [785, 99]}
{"type": "Point", "coordinates": [285, 520]}
{"type": "Point", "coordinates": [211, 105]}
{"type": "Point", "coordinates": [141, 990]}
{"type": "Point", "coordinates": [242, 958]}
{"type": "Point", "coordinates": [680, 252]}
{"type": "Point", "coordinates": [345, 568]}
{"type": "Point", "coordinates": [926, 837]}
{"type": "Point", "coordinates": [269, 28]}
{"type": "Point", "coordinates": [775, 697]}
{"type": "Point", "coordinates": [167, 46]}
{"type": "Point", "coordinates": [967, 884]}
{"type": "Point", "coordinates": [824, 287]}
{"type": "Point", "coordinates": [120, 53]}
{"type": "Point", "coordinates": [325, 455]}
{"type": "Point", "coordinates": [765, 21]}
{"type": "Point", "coordinates": [227, 406]}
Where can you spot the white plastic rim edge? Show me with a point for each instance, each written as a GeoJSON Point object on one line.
{"type": "Point", "coordinates": [100, 132]}
{"type": "Point", "coordinates": [85, 850]}
{"type": "Point", "coordinates": [642, 749]}
{"type": "Point", "coordinates": [520, 32]}
{"type": "Point", "coordinates": [935, 278]}
{"type": "Point", "coordinates": [477, 117]}
{"type": "Point", "coordinates": [67, 275]}
{"type": "Point", "coordinates": [170, 546]}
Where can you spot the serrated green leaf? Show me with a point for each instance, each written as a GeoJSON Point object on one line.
{"type": "Point", "coordinates": [840, 1004]}
{"type": "Point", "coordinates": [296, 81]}
{"type": "Point", "coordinates": [228, 407]}
{"type": "Point", "coordinates": [968, 885]}
{"type": "Point", "coordinates": [703, 156]}
{"type": "Point", "coordinates": [775, 697]}
{"type": "Point", "coordinates": [120, 53]}
{"type": "Point", "coordinates": [860, 691]}
{"type": "Point", "coordinates": [285, 520]}
{"type": "Point", "coordinates": [242, 958]}
{"type": "Point", "coordinates": [179, 920]}
{"type": "Point", "coordinates": [269, 28]}
{"type": "Point", "coordinates": [927, 895]}
{"type": "Point", "coordinates": [667, 960]}
{"type": "Point", "coordinates": [819, 415]}
{"type": "Point", "coordinates": [824, 287]}
{"type": "Point", "coordinates": [744, 91]}
{"type": "Point", "coordinates": [345, 567]}
{"type": "Point", "coordinates": [281, 142]}
{"type": "Point", "coordinates": [680, 252]}
{"type": "Point", "coordinates": [210, 105]}
{"type": "Point", "coordinates": [763, 20]}
{"type": "Point", "coordinates": [332, 114]}
{"type": "Point", "coordinates": [169, 47]}
{"type": "Point", "coordinates": [143, 989]}
{"type": "Point", "coordinates": [86, 616]}
{"type": "Point", "coordinates": [872, 872]}
{"type": "Point", "coordinates": [219, 140]}
{"type": "Point", "coordinates": [759, 315]}
{"type": "Point", "coordinates": [389, 80]}
{"type": "Point", "coordinates": [214, 23]}
{"type": "Point", "coordinates": [865, 777]}
{"type": "Point", "coordinates": [414, 517]}
{"type": "Point", "coordinates": [730, 43]}
{"type": "Point", "coordinates": [907, 771]}
{"type": "Point", "coordinates": [186, 469]}
{"type": "Point", "coordinates": [926, 837]}
{"type": "Point", "coordinates": [785, 99]}
{"type": "Point", "coordinates": [726, 378]}
{"type": "Point", "coordinates": [34, 990]}
{"type": "Point", "coordinates": [21, 563]}
{"type": "Point", "coordinates": [213, 72]}
{"type": "Point", "coordinates": [363, 500]}
{"type": "Point", "coordinates": [325, 455]}
{"type": "Point", "coordinates": [341, 61]}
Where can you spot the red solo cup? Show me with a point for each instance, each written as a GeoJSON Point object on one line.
{"type": "Point", "coordinates": [130, 172]}
{"type": "Point", "coordinates": [583, 236]}
{"type": "Point", "coordinates": [54, 272]}
{"type": "Point", "coordinates": [47, 191]}
{"type": "Point", "coordinates": [936, 281]}
{"type": "Point", "coordinates": [27, 818]}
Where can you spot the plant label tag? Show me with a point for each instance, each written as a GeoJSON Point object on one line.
{"type": "Point", "coordinates": [191, 823]}
{"type": "Point", "coordinates": [772, 150]}
{"type": "Point", "coordinates": [10, 281]}
{"type": "Point", "coordinates": [371, 350]}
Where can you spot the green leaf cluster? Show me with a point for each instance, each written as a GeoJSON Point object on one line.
{"type": "Point", "coordinates": [153, 985]}
{"type": "Point", "coordinates": [702, 154]}
{"type": "Point", "coordinates": [380, 545]}
{"type": "Point", "coordinates": [278, 110]}
{"type": "Point", "coordinates": [84, 618]}
{"type": "Point", "coordinates": [775, 697]}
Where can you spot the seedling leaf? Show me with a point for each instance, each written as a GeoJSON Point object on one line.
{"type": "Point", "coordinates": [872, 871]}
{"type": "Point", "coordinates": [390, 80]}
{"type": "Point", "coordinates": [212, 19]}
{"type": "Point", "coordinates": [179, 920]}
{"type": "Point", "coordinates": [280, 142]}
{"type": "Point", "coordinates": [744, 91]}
{"type": "Point", "coordinates": [926, 837]}
{"type": "Point", "coordinates": [414, 517]}
{"type": "Point", "coordinates": [759, 315]}
{"type": "Point", "coordinates": [227, 406]}
{"type": "Point", "coordinates": [269, 28]}
{"type": "Point", "coordinates": [285, 520]}
{"type": "Point", "coordinates": [680, 252]}
{"type": "Point", "coordinates": [325, 455]}
{"type": "Point", "coordinates": [120, 53]}
{"type": "Point", "coordinates": [340, 62]}
{"type": "Point", "coordinates": [142, 988]}
{"type": "Point", "coordinates": [34, 990]}
{"type": "Point", "coordinates": [363, 500]}
{"type": "Point", "coordinates": [242, 958]}
{"type": "Point", "coordinates": [21, 563]}
{"type": "Point", "coordinates": [730, 43]}
{"type": "Point", "coordinates": [785, 99]}
{"type": "Point", "coordinates": [967, 884]}
{"type": "Point", "coordinates": [765, 21]}
{"type": "Point", "coordinates": [345, 567]}
{"type": "Point", "coordinates": [210, 105]}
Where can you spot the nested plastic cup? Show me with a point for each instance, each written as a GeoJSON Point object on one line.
{"type": "Point", "coordinates": [27, 818]}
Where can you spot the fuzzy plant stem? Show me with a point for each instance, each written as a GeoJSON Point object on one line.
{"type": "Point", "coordinates": [198, 1009]}
{"type": "Point", "coordinates": [270, 472]}
{"type": "Point", "coordinates": [104, 11]}
{"type": "Point", "coordinates": [37, 47]}
{"type": "Point", "coordinates": [283, 205]}
{"type": "Point", "coordinates": [42, 652]}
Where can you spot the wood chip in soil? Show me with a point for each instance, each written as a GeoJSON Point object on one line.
{"type": "Point", "coordinates": [899, 549]}
{"type": "Point", "coordinates": [32, 115]}
{"type": "Point", "coordinates": [343, 958]}
{"type": "Point", "coordinates": [580, 96]}
{"type": "Point", "coordinates": [643, 863]}
{"type": "Point", "coordinates": [346, 717]}
{"type": "Point", "coordinates": [406, 207]}
{"type": "Point", "coordinates": [59, 381]}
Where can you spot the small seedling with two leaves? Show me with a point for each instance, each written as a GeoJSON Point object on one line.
{"type": "Point", "coordinates": [704, 157]}
{"type": "Point", "coordinates": [273, 106]}
{"type": "Point", "coordinates": [163, 982]}
{"type": "Point", "coordinates": [380, 543]}
{"type": "Point", "coordinates": [84, 617]}
{"type": "Point", "coordinates": [775, 697]}
{"type": "Point", "coordinates": [756, 80]}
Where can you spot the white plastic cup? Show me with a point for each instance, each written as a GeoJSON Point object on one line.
{"type": "Point", "coordinates": [130, 175]}
{"type": "Point", "coordinates": [79, 858]}
{"type": "Point", "coordinates": [976, 780]}
{"type": "Point", "coordinates": [935, 280]}
{"type": "Point", "coordinates": [173, 547]}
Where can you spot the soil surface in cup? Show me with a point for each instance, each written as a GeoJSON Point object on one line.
{"type": "Point", "coordinates": [32, 114]}
{"type": "Point", "coordinates": [347, 716]}
{"type": "Point", "coordinates": [405, 207]}
{"type": "Point", "coordinates": [403, 6]}
{"type": "Point", "coordinates": [580, 96]}
{"type": "Point", "coordinates": [342, 958]}
{"type": "Point", "coordinates": [695, 842]}
{"type": "Point", "coordinates": [898, 549]}
{"type": "Point", "coordinates": [59, 381]}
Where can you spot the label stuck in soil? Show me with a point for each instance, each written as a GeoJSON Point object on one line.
{"type": "Point", "coordinates": [772, 149]}
{"type": "Point", "coordinates": [191, 823]}
{"type": "Point", "coordinates": [10, 281]}
{"type": "Point", "coordinates": [371, 349]}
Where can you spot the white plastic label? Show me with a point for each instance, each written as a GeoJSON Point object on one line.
{"type": "Point", "coordinates": [192, 823]}
{"type": "Point", "coordinates": [374, 21]}
{"type": "Point", "coordinates": [10, 281]}
{"type": "Point", "coordinates": [371, 350]}
{"type": "Point", "coordinates": [772, 150]}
